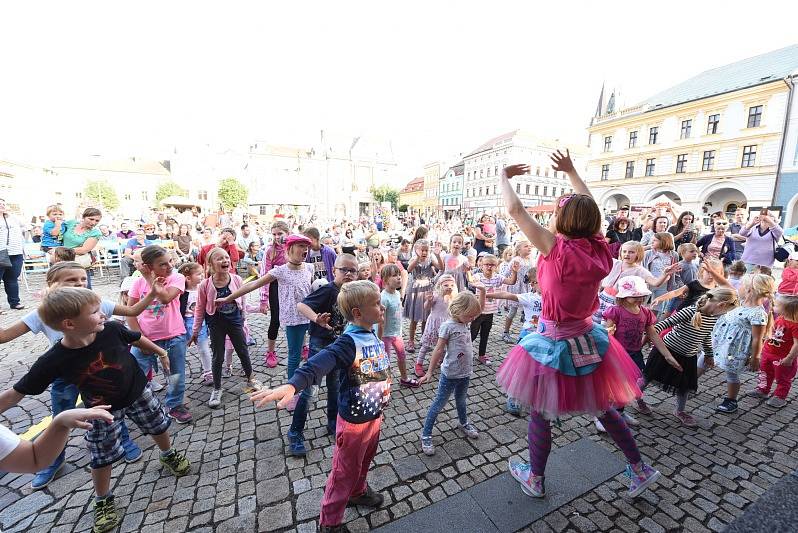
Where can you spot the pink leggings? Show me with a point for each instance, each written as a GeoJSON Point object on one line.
{"type": "Point", "coordinates": [395, 343]}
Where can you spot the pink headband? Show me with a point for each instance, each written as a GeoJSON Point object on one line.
{"type": "Point", "coordinates": [565, 199]}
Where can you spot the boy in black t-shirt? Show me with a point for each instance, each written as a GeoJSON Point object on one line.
{"type": "Point", "coordinates": [326, 324]}
{"type": "Point", "coordinates": [94, 355]}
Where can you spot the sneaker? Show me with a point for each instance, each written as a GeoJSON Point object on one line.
{"type": "Point", "coordinates": [227, 371]}
{"type": "Point", "coordinates": [512, 407]}
{"type": "Point", "coordinates": [44, 477]}
{"type": "Point", "coordinates": [686, 419]}
{"type": "Point", "coordinates": [470, 431]}
{"type": "Point", "coordinates": [776, 402]}
{"type": "Point", "coordinates": [341, 528]}
{"type": "Point", "coordinates": [105, 516]}
{"type": "Point", "coordinates": [506, 338]}
{"type": "Point", "coordinates": [599, 425]}
{"type": "Point", "coordinates": [410, 347]}
{"type": "Point", "coordinates": [292, 404]}
{"type": "Point", "coordinates": [370, 498]}
{"type": "Point", "coordinates": [271, 359]}
{"type": "Point", "coordinates": [728, 406]}
{"type": "Point", "coordinates": [251, 385]}
{"type": "Point", "coordinates": [207, 378]}
{"type": "Point", "coordinates": [419, 370]}
{"type": "Point", "coordinates": [427, 446]}
{"type": "Point", "coordinates": [177, 463]}
{"type": "Point", "coordinates": [755, 393]}
{"type": "Point", "coordinates": [296, 444]}
{"type": "Point", "coordinates": [305, 352]}
{"type": "Point", "coordinates": [641, 476]}
{"type": "Point", "coordinates": [156, 386]}
{"type": "Point", "coordinates": [180, 414]}
{"type": "Point", "coordinates": [216, 399]}
{"type": "Point", "coordinates": [132, 451]}
{"type": "Point", "coordinates": [629, 419]}
{"type": "Point", "coordinates": [251, 342]}
{"type": "Point", "coordinates": [332, 426]}
{"type": "Point", "coordinates": [531, 484]}
{"type": "Point", "coordinates": [643, 408]}
{"type": "Point", "coordinates": [484, 359]}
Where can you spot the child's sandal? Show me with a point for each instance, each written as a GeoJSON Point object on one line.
{"type": "Point", "coordinates": [411, 383]}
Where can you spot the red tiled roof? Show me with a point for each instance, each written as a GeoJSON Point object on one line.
{"type": "Point", "coordinates": [414, 185]}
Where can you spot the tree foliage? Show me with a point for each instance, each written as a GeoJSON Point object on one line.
{"type": "Point", "coordinates": [384, 193]}
{"type": "Point", "coordinates": [232, 193]}
{"type": "Point", "coordinates": [167, 189]}
{"type": "Point", "coordinates": [101, 193]}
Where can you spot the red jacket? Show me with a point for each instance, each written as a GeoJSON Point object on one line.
{"type": "Point", "coordinates": [232, 251]}
{"type": "Point", "coordinates": [789, 281]}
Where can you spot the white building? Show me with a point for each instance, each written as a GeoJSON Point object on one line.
{"type": "Point", "coordinates": [711, 143]}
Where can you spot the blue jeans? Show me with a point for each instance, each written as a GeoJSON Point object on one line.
{"type": "Point", "coordinates": [10, 277]}
{"type": "Point", "coordinates": [295, 336]}
{"type": "Point", "coordinates": [301, 409]}
{"type": "Point", "coordinates": [176, 349]}
{"type": "Point", "coordinates": [445, 388]}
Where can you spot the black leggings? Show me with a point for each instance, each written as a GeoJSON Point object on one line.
{"type": "Point", "coordinates": [274, 309]}
{"type": "Point", "coordinates": [481, 326]}
{"type": "Point", "coordinates": [218, 329]}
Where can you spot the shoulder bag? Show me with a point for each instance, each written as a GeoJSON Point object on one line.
{"type": "Point", "coordinates": [5, 260]}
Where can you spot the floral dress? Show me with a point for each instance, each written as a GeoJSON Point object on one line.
{"type": "Point", "coordinates": [732, 336]}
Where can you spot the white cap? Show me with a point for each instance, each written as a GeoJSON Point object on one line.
{"type": "Point", "coordinates": [631, 287]}
{"type": "Point", "coordinates": [793, 256]}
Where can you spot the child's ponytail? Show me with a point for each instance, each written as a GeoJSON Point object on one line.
{"type": "Point", "coordinates": [722, 296]}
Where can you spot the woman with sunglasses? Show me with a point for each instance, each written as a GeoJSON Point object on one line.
{"type": "Point", "coordinates": [718, 244]}
{"type": "Point", "coordinates": [762, 234]}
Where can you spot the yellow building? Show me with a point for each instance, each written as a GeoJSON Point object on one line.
{"type": "Point", "coordinates": [413, 195]}
{"type": "Point", "coordinates": [711, 143]}
{"type": "Point", "coordinates": [432, 177]}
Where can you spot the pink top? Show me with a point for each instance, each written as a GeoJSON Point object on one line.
{"type": "Point", "coordinates": [569, 277]}
{"type": "Point", "coordinates": [293, 286]}
{"type": "Point", "coordinates": [160, 321]}
{"type": "Point", "coordinates": [206, 300]}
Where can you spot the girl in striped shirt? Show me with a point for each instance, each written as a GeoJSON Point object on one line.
{"type": "Point", "coordinates": [692, 331]}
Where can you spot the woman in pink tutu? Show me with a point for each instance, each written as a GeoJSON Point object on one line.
{"type": "Point", "coordinates": [571, 365]}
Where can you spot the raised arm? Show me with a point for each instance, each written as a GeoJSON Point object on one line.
{"type": "Point", "coordinates": [502, 295]}
{"type": "Point", "coordinates": [540, 237]}
{"type": "Point", "coordinates": [246, 289]}
{"type": "Point", "coordinates": [563, 163]}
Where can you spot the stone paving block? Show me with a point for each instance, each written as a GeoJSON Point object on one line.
{"type": "Point", "coordinates": [275, 517]}
{"type": "Point", "coordinates": [308, 504]}
{"type": "Point", "coordinates": [461, 511]}
{"type": "Point", "coordinates": [409, 467]}
{"type": "Point", "coordinates": [23, 508]}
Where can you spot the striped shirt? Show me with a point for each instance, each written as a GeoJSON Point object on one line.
{"type": "Point", "coordinates": [492, 285]}
{"type": "Point", "coordinates": [684, 338]}
{"type": "Point", "coordinates": [13, 235]}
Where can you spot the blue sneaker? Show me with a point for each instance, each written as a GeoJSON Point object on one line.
{"type": "Point", "coordinates": [132, 451]}
{"type": "Point", "coordinates": [513, 407]}
{"type": "Point", "coordinates": [296, 444]}
{"type": "Point", "coordinates": [46, 476]}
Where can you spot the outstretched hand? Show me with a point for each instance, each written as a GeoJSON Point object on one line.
{"type": "Point", "coordinates": [79, 418]}
{"type": "Point", "coordinates": [323, 320]}
{"type": "Point", "coordinates": [515, 170]}
{"type": "Point", "coordinates": [562, 162]}
{"type": "Point", "coordinates": [282, 395]}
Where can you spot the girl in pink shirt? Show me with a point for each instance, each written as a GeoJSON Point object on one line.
{"type": "Point", "coordinates": [571, 365]}
{"type": "Point", "coordinates": [269, 292]}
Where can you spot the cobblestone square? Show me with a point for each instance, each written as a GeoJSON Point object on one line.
{"type": "Point", "coordinates": [242, 480]}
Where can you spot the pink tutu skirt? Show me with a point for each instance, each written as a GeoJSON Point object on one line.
{"type": "Point", "coordinates": [545, 375]}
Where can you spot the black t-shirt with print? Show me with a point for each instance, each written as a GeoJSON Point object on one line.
{"type": "Point", "coordinates": [104, 372]}
{"type": "Point", "coordinates": [324, 300]}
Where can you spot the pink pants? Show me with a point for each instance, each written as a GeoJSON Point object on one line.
{"type": "Point", "coordinates": [395, 343]}
{"type": "Point", "coordinates": [355, 448]}
{"type": "Point", "coordinates": [783, 375]}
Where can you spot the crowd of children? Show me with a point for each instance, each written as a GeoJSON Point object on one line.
{"type": "Point", "coordinates": [588, 317]}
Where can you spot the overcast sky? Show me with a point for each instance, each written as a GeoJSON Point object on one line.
{"type": "Point", "coordinates": [437, 78]}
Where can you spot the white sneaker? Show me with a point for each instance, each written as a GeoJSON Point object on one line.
{"type": "Point", "coordinates": [216, 398]}
{"type": "Point", "coordinates": [156, 385]}
{"type": "Point", "coordinates": [629, 419]}
{"type": "Point", "coordinates": [227, 371]}
{"type": "Point", "coordinates": [599, 425]}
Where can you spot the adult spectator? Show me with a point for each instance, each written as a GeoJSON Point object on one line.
{"type": "Point", "coordinates": [227, 241]}
{"type": "Point", "coordinates": [106, 234]}
{"type": "Point", "coordinates": [205, 238]}
{"type": "Point", "coordinates": [620, 231]}
{"type": "Point", "coordinates": [125, 232]}
{"type": "Point", "coordinates": [320, 256]}
{"type": "Point", "coordinates": [183, 242]}
{"type": "Point", "coordinates": [502, 235]}
{"type": "Point", "coordinates": [11, 250]}
{"type": "Point", "coordinates": [150, 232]}
{"type": "Point", "coordinates": [718, 245]}
{"type": "Point", "coordinates": [136, 243]}
{"type": "Point", "coordinates": [740, 218]}
{"type": "Point", "coordinates": [245, 239]}
{"type": "Point", "coordinates": [655, 225]}
{"type": "Point", "coordinates": [82, 236]}
{"type": "Point", "coordinates": [684, 230]}
{"type": "Point", "coordinates": [762, 233]}
{"type": "Point", "coordinates": [484, 234]}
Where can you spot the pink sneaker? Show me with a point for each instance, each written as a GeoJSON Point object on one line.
{"type": "Point", "coordinates": [271, 359]}
{"type": "Point", "coordinates": [305, 352]}
{"type": "Point", "coordinates": [686, 419]}
{"type": "Point", "coordinates": [207, 378]}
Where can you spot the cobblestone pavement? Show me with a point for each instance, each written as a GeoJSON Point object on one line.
{"type": "Point", "coordinates": [242, 480]}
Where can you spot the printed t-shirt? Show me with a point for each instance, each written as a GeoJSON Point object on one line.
{"type": "Point", "coordinates": [532, 304]}
{"type": "Point", "coordinates": [315, 259]}
{"type": "Point", "coordinates": [782, 339]}
{"type": "Point", "coordinates": [159, 321]}
{"type": "Point", "coordinates": [458, 361]}
{"type": "Point", "coordinates": [292, 286]}
{"type": "Point", "coordinates": [393, 314]}
{"type": "Point", "coordinates": [229, 311]}
{"type": "Point", "coordinates": [104, 372]}
{"type": "Point", "coordinates": [630, 327]}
